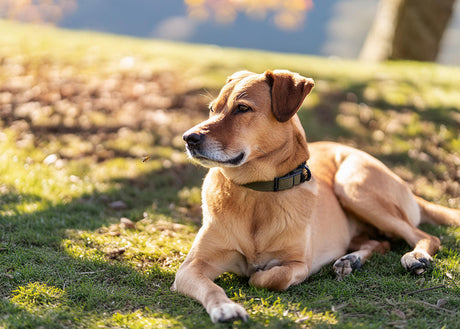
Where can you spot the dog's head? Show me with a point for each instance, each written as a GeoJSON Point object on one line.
{"type": "Point", "coordinates": [253, 118]}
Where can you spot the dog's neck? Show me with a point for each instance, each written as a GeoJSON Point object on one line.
{"type": "Point", "coordinates": [296, 177]}
{"type": "Point", "coordinates": [275, 164]}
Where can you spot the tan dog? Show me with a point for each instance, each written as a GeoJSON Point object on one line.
{"type": "Point", "coordinates": [264, 217]}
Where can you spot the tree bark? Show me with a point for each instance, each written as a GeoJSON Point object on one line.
{"type": "Point", "coordinates": [407, 29]}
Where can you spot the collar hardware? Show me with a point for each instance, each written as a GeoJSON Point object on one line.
{"type": "Point", "coordinates": [297, 176]}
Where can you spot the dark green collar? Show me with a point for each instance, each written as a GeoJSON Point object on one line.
{"type": "Point", "coordinates": [299, 175]}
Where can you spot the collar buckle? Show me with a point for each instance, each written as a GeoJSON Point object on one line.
{"type": "Point", "coordinates": [299, 175]}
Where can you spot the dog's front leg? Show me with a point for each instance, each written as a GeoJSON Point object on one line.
{"type": "Point", "coordinates": [195, 279]}
{"type": "Point", "coordinates": [280, 277]}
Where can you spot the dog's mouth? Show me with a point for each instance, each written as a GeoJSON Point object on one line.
{"type": "Point", "coordinates": [210, 161]}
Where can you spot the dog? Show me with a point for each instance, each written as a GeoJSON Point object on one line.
{"type": "Point", "coordinates": [276, 209]}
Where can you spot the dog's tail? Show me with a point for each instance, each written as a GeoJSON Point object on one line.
{"type": "Point", "coordinates": [436, 214]}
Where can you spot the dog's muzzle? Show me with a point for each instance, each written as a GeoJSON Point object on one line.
{"type": "Point", "coordinates": [207, 153]}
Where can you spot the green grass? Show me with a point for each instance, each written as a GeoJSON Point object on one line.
{"type": "Point", "coordinates": [79, 111]}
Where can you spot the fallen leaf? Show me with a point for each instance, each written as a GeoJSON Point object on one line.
{"type": "Point", "coordinates": [127, 223]}
{"type": "Point", "coordinates": [163, 225]}
{"type": "Point", "coordinates": [441, 302]}
{"type": "Point", "coordinates": [114, 254]}
{"type": "Point", "coordinates": [302, 320]}
{"type": "Point", "coordinates": [117, 205]}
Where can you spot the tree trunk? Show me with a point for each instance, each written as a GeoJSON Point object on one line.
{"type": "Point", "coordinates": [407, 29]}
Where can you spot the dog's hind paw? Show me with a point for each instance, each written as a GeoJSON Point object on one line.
{"type": "Point", "coordinates": [416, 262]}
{"type": "Point", "coordinates": [228, 312]}
{"type": "Point", "coordinates": [347, 264]}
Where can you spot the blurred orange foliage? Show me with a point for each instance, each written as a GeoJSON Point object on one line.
{"type": "Point", "coordinates": [36, 11]}
{"type": "Point", "coordinates": [288, 14]}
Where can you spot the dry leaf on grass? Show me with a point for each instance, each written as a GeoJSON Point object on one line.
{"type": "Point", "coordinates": [115, 253]}
{"type": "Point", "coordinates": [127, 223]}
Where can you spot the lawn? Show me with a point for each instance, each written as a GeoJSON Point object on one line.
{"type": "Point", "coordinates": [99, 204]}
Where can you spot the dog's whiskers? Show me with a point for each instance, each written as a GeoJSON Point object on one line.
{"type": "Point", "coordinates": [208, 95]}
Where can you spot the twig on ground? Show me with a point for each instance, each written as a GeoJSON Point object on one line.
{"type": "Point", "coordinates": [92, 272]}
{"type": "Point", "coordinates": [436, 307]}
{"type": "Point", "coordinates": [425, 289]}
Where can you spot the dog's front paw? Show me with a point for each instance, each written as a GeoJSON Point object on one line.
{"type": "Point", "coordinates": [416, 262]}
{"type": "Point", "coordinates": [228, 312]}
{"type": "Point", "coordinates": [276, 279]}
{"type": "Point", "coordinates": [347, 264]}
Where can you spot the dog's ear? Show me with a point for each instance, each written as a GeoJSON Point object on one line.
{"type": "Point", "coordinates": [288, 92]}
{"type": "Point", "coordinates": [239, 75]}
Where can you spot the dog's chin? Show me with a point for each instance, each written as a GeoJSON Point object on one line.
{"type": "Point", "coordinates": [210, 162]}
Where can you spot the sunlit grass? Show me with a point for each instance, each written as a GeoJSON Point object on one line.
{"type": "Point", "coordinates": [37, 295]}
{"type": "Point", "coordinates": [27, 174]}
{"type": "Point", "coordinates": [142, 319]}
{"type": "Point", "coordinates": [148, 243]}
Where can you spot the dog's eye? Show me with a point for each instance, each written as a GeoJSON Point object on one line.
{"type": "Point", "coordinates": [211, 109]}
{"type": "Point", "coordinates": [241, 108]}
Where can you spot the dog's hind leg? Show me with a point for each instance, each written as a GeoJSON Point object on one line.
{"type": "Point", "coordinates": [280, 277]}
{"type": "Point", "coordinates": [370, 191]}
{"type": "Point", "coordinates": [363, 250]}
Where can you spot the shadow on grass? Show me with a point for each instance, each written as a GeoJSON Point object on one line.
{"type": "Point", "coordinates": [31, 250]}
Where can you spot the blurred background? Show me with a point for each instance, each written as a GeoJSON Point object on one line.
{"type": "Point", "coordinates": [369, 29]}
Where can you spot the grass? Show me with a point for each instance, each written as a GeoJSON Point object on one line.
{"type": "Point", "coordinates": [91, 236]}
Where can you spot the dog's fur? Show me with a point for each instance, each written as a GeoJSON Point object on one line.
{"type": "Point", "coordinates": [278, 239]}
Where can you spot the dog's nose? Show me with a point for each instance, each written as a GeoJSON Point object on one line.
{"type": "Point", "coordinates": [193, 140]}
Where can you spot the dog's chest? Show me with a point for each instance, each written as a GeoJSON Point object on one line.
{"type": "Point", "coordinates": [262, 231]}
{"type": "Point", "coordinates": [265, 229]}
